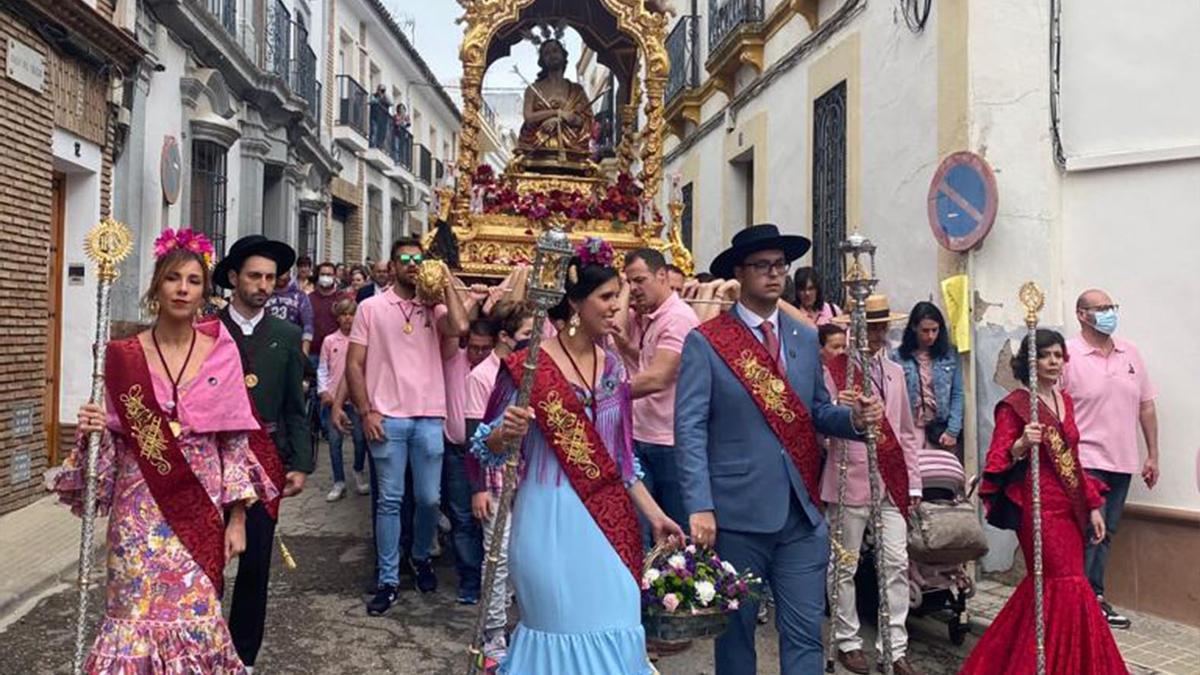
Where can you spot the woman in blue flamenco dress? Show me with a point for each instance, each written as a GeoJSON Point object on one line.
{"type": "Point", "coordinates": [575, 552]}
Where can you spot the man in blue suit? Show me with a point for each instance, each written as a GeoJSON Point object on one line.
{"type": "Point", "coordinates": [749, 402]}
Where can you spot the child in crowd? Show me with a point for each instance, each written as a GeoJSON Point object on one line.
{"type": "Point", "coordinates": [331, 368]}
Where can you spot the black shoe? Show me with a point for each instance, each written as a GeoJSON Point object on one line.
{"type": "Point", "coordinates": [1115, 618]}
{"type": "Point", "coordinates": [382, 602]}
{"type": "Point", "coordinates": [426, 580]}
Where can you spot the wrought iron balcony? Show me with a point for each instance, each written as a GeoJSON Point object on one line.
{"type": "Point", "coordinates": [683, 48]}
{"type": "Point", "coordinates": [278, 39]}
{"type": "Point", "coordinates": [725, 17]}
{"type": "Point", "coordinates": [401, 145]}
{"type": "Point", "coordinates": [304, 78]}
{"type": "Point", "coordinates": [352, 104]}
{"type": "Point", "coordinates": [425, 172]}
{"type": "Point", "coordinates": [439, 170]}
{"type": "Point", "coordinates": [226, 13]}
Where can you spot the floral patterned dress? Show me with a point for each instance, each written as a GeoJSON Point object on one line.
{"type": "Point", "coordinates": [162, 613]}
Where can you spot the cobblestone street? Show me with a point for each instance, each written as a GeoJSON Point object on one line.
{"type": "Point", "coordinates": [317, 623]}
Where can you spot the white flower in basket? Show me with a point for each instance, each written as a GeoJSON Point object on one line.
{"type": "Point", "coordinates": [677, 562]}
{"type": "Point", "coordinates": [705, 591]}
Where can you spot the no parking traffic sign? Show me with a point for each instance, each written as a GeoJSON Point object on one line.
{"type": "Point", "coordinates": [962, 201]}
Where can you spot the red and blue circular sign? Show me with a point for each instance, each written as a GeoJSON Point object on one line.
{"type": "Point", "coordinates": [962, 201]}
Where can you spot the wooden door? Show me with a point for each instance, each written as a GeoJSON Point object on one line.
{"type": "Point", "coordinates": [53, 312]}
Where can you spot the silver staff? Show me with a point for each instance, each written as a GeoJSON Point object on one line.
{"type": "Point", "coordinates": [1033, 300]}
{"type": "Point", "coordinates": [107, 244]}
{"type": "Point", "coordinates": [860, 281]}
{"type": "Point", "coordinates": [837, 549]}
{"type": "Point", "coordinates": [546, 283]}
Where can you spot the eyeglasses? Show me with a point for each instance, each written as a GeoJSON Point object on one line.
{"type": "Point", "coordinates": [765, 267]}
{"type": "Point", "coordinates": [410, 258]}
{"type": "Point", "coordinates": [1103, 308]}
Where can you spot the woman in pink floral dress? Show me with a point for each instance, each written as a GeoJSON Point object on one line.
{"type": "Point", "coordinates": [174, 461]}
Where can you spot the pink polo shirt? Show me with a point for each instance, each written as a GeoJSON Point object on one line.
{"type": "Point", "coordinates": [664, 328]}
{"type": "Point", "coordinates": [479, 387]}
{"type": "Point", "coordinates": [332, 365]}
{"type": "Point", "coordinates": [456, 370]}
{"type": "Point", "coordinates": [404, 370]}
{"type": "Point", "coordinates": [1108, 392]}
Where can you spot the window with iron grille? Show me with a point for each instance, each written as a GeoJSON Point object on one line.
{"type": "Point", "coordinates": [829, 188]}
{"type": "Point", "coordinates": [308, 234]}
{"type": "Point", "coordinates": [208, 192]}
{"type": "Point", "coordinates": [374, 224]}
{"type": "Point", "coordinates": [685, 216]}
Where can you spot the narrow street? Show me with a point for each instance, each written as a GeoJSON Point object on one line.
{"type": "Point", "coordinates": [317, 623]}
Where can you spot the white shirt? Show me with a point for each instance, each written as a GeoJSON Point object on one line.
{"type": "Point", "coordinates": [755, 322]}
{"type": "Point", "coordinates": [247, 325]}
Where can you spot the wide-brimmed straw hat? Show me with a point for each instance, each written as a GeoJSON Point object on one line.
{"type": "Point", "coordinates": [764, 237]}
{"type": "Point", "coordinates": [878, 311]}
{"type": "Point", "coordinates": [251, 245]}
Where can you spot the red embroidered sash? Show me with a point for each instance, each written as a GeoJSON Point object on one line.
{"type": "Point", "coordinates": [584, 458]}
{"type": "Point", "coordinates": [779, 404]}
{"type": "Point", "coordinates": [1060, 455]}
{"type": "Point", "coordinates": [181, 497]}
{"type": "Point", "coordinates": [260, 441]}
{"type": "Point", "coordinates": [892, 467]}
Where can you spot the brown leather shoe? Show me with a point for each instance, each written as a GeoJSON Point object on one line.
{"type": "Point", "coordinates": [854, 661]}
{"type": "Point", "coordinates": [902, 666]}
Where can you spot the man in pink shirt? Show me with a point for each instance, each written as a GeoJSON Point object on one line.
{"type": "Point", "coordinates": [854, 510]}
{"type": "Point", "coordinates": [1113, 395]}
{"type": "Point", "coordinates": [651, 344]}
{"type": "Point", "coordinates": [395, 378]}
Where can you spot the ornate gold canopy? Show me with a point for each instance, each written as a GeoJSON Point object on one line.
{"type": "Point", "coordinates": [627, 38]}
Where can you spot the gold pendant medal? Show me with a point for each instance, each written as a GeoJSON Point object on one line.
{"type": "Point", "coordinates": [408, 328]}
{"type": "Point", "coordinates": [251, 380]}
{"type": "Point", "coordinates": [176, 427]}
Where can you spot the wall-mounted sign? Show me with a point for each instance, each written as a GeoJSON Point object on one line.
{"type": "Point", "coordinates": [22, 421]}
{"type": "Point", "coordinates": [962, 201]}
{"type": "Point", "coordinates": [76, 273]}
{"type": "Point", "coordinates": [170, 169]}
{"type": "Point", "coordinates": [25, 65]}
{"type": "Point", "coordinates": [20, 471]}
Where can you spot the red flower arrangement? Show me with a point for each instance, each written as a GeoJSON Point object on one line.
{"type": "Point", "coordinates": [621, 202]}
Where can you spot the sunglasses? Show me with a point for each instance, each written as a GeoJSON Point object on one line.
{"type": "Point", "coordinates": [410, 258]}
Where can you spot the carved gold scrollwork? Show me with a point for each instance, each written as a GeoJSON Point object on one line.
{"type": "Point", "coordinates": [146, 428]}
{"type": "Point", "coordinates": [569, 434]}
{"type": "Point", "coordinates": [766, 385]}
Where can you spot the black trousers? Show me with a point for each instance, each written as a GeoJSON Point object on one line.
{"type": "Point", "coordinates": [248, 615]}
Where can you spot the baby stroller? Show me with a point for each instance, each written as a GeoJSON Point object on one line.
{"type": "Point", "coordinates": [938, 581]}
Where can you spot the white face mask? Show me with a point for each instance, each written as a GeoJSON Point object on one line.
{"type": "Point", "coordinates": [325, 280]}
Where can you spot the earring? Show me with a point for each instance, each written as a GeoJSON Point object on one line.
{"type": "Point", "coordinates": [152, 307]}
{"type": "Point", "coordinates": [573, 325]}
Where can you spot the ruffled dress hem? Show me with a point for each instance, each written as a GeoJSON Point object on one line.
{"type": "Point", "coordinates": [141, 647]}
{"type": "Point", "coordinates": [620, 651]}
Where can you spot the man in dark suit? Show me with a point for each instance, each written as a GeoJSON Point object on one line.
{"type": "Point", "coordinates": [274, 369]}
{"type": "Point", "coordinates": [748, 404]}
{"type": "Point", "coordinates": [381, 278]}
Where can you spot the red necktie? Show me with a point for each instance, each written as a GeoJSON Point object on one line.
{"type": "Point", "coordinates": [770, 340]}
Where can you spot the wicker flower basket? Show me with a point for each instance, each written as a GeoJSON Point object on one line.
{"type": "Point", "coordinates": [682, 626]}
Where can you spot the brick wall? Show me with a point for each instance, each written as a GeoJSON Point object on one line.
{"type": "Point", "coordinates": [26, 171]}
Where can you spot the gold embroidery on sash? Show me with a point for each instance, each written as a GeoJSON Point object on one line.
{"type": "Point", "coordinates": [570, 434]}
{"type": "Point", "coordinates": [767, 386]}
{"type": "Point", "coordinates": [146, 428]}
{"type": "Point", "coordinates": [1064, 461]}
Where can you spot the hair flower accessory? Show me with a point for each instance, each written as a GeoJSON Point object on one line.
{"type": "Point", "coordinates": [595, 251]}
{"type": "Point", "coordinates": [185, 238]}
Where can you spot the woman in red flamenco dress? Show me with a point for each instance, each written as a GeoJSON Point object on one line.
{"type": "Point", "coordinates": [1078, 639]}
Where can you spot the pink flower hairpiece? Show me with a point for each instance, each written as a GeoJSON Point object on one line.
{"type": "Point", "coordinates": [595, 251]}
{"type": "Point", "coordinates": [187, 239]}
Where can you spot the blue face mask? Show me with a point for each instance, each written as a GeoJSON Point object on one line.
{"type": "Point", "coordinates": [521, 344]}
{"type": "Point", "coordinates": [1105, 322]}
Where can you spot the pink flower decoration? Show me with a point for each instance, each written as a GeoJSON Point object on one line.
{"type": "Point", "coordinates": [595, 251]}
{"type": "Point", "coordinates": [185, 238]}
{"type": "Point", "coordinates": [670, 602]}
{"type": "Point", "coordinates": [733, 605]}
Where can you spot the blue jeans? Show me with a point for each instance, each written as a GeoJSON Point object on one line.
{"type": "Point", "coordinates": [335, 441]}
{"type": "Point", "coordinates": [661, 478]}
{"type": "Point", "coordinates": [468, 536]}
{"type": "Point", "coordinates": [1095, 556]}
{"type": "Point", "coordinates": [406, 441]}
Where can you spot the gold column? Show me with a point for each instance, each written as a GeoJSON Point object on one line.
{"type": "Point", "coordinates": [626, 150]}
{"type": "Point", "coordinates": [652, 135]}
{"type": "Point", "coordinates": [468, 135]}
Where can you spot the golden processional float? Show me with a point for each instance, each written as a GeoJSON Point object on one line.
{"type": "Point", "coordinates": [554, 179]}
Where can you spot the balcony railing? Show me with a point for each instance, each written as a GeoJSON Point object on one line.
{"type": "Point", "coordinates": [425, 172]}
{"type": "Point", "coordinates": [304, 79]}
{"type": "Point", "coordinates": [439, 170]}
{"type": "Point", "coordinates": [278, 39]}
{"type": "Point", "coordinates": [352, 104]}
{"type": "Point", "coordinates": [726, 16]}
{"type": "Point", "coordinates": [226, 12]}
{"type": "Point", "coordinates": [683, 49]}
{"type": "Point", "coordinates": [610, 124]}
{"type": "Point", "coordinates": [402, 146]}
{"type": "Point", "coordinates": [489, 115]}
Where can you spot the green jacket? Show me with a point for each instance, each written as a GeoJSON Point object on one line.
{"type": "Point", "coordinates": [273, 355]}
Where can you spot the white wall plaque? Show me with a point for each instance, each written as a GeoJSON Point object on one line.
{"type": "Point", "coordinates": [25, 65]}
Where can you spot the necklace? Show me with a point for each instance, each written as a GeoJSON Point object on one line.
{"type": "Point", "coordinates": [590, 397]}
{"type": "Point", "coordinates": [176, 427]}
{"type": "Point", "coordinates": [1054, 400]}
{"type": "Point", "coordinates": [408, 314]}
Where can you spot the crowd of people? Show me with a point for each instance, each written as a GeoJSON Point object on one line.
{"type": "Point", "coordinates": [723, 409]}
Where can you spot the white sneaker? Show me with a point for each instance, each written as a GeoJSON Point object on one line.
{"type": "Point", "coordinates": [336, 493]}
{"type": "Point", "coordinates": [361, 484]}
